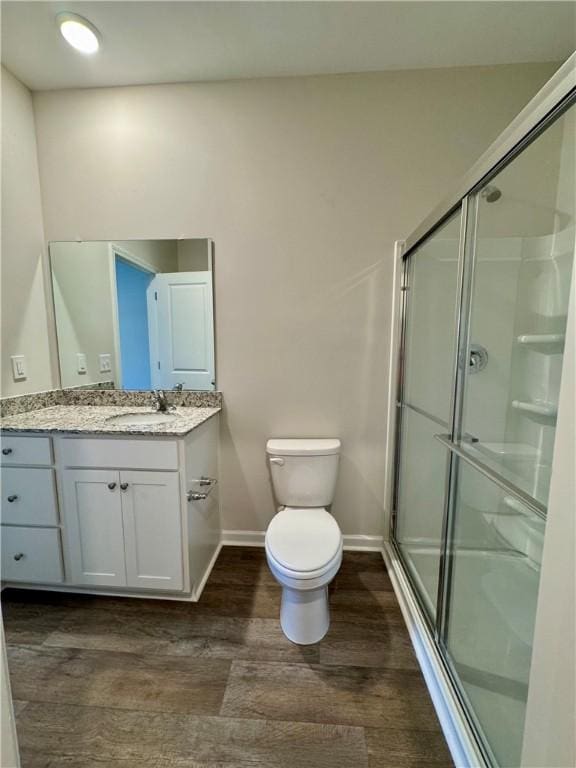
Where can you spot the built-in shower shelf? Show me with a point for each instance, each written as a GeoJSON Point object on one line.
{"type": "Point", "coordinates": [498, 451]}
{"type": "Point", "coordinates": [536, 407]}
{"type": "Point", "coordinates": [544, 342]}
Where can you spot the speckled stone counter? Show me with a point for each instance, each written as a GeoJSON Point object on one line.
{"type": "Point", "coordinates": [11, 406]}
{"type": "Point", "coordinates": [92, 420]}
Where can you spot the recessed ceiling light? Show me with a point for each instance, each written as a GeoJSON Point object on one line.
{"type": "Point", "coordinates": [78, 32]}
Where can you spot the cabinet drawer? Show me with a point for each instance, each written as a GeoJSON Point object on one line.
{"type": "Point", "coordinates": [120, 453]}
{"type": "Point", "coordinates": [31, 554]}
{"type": "Point", "coordinates": [26, 450]}
{"type": "Point", "coordinates": [28, 496]}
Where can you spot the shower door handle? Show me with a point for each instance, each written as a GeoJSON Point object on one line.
{"type": "Point", "coordinates": [478, 359]}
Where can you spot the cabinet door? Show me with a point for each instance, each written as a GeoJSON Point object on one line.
{"type": "Point", "coordinates": [93, 517]}
{"type": "Point", "coordinates": [152, 529]}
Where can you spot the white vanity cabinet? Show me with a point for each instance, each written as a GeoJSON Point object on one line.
{"type": "Point", "coordinates": [124, 528]}
{"type": "Point", "coordinates": [31, 548]}
{"type": "Point", "coordinates": [118, 514]}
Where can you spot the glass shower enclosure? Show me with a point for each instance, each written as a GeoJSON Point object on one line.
{"type": "Point", "coordinates": [484, 304]}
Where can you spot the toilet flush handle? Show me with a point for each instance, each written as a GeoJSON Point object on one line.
{"type": "Point", "coordinates": [277, 460]}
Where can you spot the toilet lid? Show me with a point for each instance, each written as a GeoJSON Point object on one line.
{"type": "Point", "coordinates": [303, 539]}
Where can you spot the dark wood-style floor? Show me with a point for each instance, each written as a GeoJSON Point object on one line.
{"type": "Point", "coordinates": [116, 683]}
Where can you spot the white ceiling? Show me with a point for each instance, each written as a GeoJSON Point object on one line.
{"type": "Point", "coordinates": [159, 42]}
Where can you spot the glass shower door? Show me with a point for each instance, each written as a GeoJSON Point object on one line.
{"type": "Point", "coordinates": [522, 258]}
{"type": "Point", "coordinates": [523, 255]}
{"type": "Point", "coordinates": [429, 333]}
{"type": "Point", "coordinates": [476, 425]}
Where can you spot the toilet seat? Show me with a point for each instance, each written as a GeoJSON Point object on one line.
{"type": "Point", "coordinates": [304, 543]}
{"type": "Point", "coordinates": [305, 579]}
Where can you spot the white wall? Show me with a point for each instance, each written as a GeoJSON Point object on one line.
{"type": "Point", "coordinates": [24, 312]}
{"type": "Point", "coordinates": [304, 184]}
{"type": "Point", "coordinates": [194, 255]}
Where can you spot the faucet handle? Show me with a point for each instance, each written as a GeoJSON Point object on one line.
{"type": "Point", "coordinates": [159, 399]}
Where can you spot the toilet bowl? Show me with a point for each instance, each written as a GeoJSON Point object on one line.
{"type": "Point", "coordinates": [303, 541]}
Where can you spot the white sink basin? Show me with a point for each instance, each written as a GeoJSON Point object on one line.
{"type": "Point", "coordinates": [154, 417]}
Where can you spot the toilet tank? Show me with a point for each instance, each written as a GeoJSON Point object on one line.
{"type": "Point", "coordinates": [303, 471]}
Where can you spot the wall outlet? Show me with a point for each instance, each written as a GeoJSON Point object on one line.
{"type": "Point", "coordinates": [81, 362]}
{"type": "Point", "coordinates": [105, 363]}
{"type": "Point", "coordinates": [18, 367]}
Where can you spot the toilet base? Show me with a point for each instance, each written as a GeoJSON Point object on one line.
{"type": "Point", "coordinates": [304, 614]}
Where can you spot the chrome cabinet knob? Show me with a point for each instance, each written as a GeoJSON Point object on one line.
{"type": "Point", "coordinates": [124, 486]}
{"type": "Point", "coordinates": [6, 451]}
{"type": "Point", "coordinates": [19, 556]}
{"type": "Point", "coordinates": [111, 486]}
{"type": "Point", "coordinates": [12, 498]}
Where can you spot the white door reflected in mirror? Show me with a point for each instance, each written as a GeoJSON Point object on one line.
{"type": "Point", "coordinates": [181, 329]}
{"type": "Point", "coordinates": [138, 314]}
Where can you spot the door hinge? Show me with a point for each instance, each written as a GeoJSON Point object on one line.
{"type": "Point", "coordinates": [155, 295]}
{"type": "Point", "coordinates": [158, 364]}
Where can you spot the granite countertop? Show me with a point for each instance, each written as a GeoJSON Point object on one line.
{"type": "Point", "coordinates": [92, 420]}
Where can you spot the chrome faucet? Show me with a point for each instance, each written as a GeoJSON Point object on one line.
{"type": "Point", "coordinates": [159, 401]}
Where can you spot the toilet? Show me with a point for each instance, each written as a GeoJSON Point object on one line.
{"type": "Point", "coordinates": [303, 541]}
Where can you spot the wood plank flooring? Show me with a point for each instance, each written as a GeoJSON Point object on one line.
{"type": "Point", "coordinates": [118, 683]}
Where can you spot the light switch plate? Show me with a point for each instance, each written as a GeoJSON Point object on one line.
{"type": "Point", "coordinates": [81, 362]}
{"type": "Point", "coordinates": [18, 367]}
{"type": "Point", "coordinates": [105, 363]}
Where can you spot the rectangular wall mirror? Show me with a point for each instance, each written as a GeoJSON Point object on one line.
{"type": "Point", "coordinates": [135, 314]}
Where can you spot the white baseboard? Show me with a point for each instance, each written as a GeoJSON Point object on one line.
{"type": "Point", "coordinates": [196, 593]}
{"type": "Point", "coordinates": [242, 538]}
{"type": "Point", "coordinates": [358, 543]}
{"type": "Point", "coordinates": [461, 742]}
{"type": "Point", "coordinates": [355, 542]}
